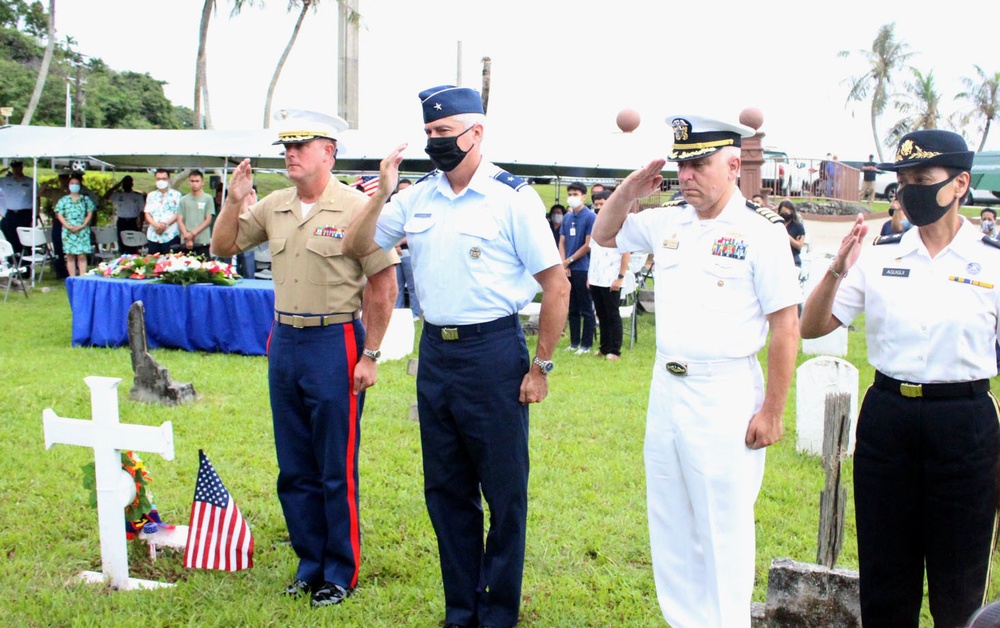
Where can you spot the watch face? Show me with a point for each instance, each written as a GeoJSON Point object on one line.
{"type": "Point", "coordinates": [548, 366]}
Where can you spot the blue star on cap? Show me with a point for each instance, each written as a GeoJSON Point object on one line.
{"type": "Point", "coordinates": [449, 100]}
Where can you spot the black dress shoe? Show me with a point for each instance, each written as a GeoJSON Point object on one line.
{"type": "Point", "coordinates": [297, 589]}
{"type": "Point", "coordinates": [330, 594]}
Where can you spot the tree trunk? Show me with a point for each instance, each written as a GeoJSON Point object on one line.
{"type": "Point", "coordinates": [986, 133]}
{"type": "Point", "coordinates": [200, 71]}
{"type": "Point", "coordinates": [487, 75]}
{"type": "Point", "coordinates": [281, 64]}
{"type": "Point", "coordinates": [878, 144]}
{"type": "Point", "coordinates": [43, 72]}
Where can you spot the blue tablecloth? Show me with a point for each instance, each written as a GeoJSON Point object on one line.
{"type": "Point", "coordinates": [233, 319]}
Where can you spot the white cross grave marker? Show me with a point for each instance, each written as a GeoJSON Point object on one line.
{"type": "Point", "coordinates": [108, 438]}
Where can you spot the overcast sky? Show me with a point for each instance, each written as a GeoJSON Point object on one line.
{"type": "Point", "coordinates": [559, 69]}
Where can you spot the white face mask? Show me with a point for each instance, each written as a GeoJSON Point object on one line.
{"type": "Point", "coordinates": [162, 185]}
{"type": "Point", "coordinates": [987, 226]}
{"type": "Point", "coordinates": [556, 218]}
{"type": "Point", "coordinates": [574, 202]}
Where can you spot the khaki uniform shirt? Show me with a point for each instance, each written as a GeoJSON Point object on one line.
{"type": "Point", "coordinates": [311, 274]}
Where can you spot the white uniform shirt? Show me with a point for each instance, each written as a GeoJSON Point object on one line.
{"type": "Point", "coordinates": [605, 265]}
{"type": "Point", "coordinates": [128, 204]}
{"type": "Point", "coordinates": [716, 280]}
{"type": "Point", "coordinates": [474, 253]}
{"type": "Point", "coordinates": [927, 320]}
{"type": "Point", "coordinates": [18, 194]}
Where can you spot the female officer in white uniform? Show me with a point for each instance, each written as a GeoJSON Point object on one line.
{"type": "Point", "coordinates": [925, 466]}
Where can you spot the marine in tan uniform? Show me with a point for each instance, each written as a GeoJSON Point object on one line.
{"type": "Point", "coordinates": [322, 352]}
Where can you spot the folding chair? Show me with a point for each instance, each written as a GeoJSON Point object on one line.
{"type": "Point", "coordinates": [36, 241]}
{"type": "Point", "coordinates": [629, 305]}
{"type": "Point", "coordinates": [107, 242]}
{"type": "Point", "coordinates": [135, 239]}
{"type": "Point", "coordinates": [8, 272]}
{"type": "Point", "coordinates": [262, 262]}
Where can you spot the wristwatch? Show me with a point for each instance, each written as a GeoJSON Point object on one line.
{"type": "Point", "coordinates": [545, 365]}
{"type": "Point", "coordinates": [374, 354]}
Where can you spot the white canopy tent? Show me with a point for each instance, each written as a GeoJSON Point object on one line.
{"type": "Point", "coordinates": [582, 155]}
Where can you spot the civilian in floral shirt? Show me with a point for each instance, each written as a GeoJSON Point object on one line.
{"type": "Point", "coordinates": [161, 215]}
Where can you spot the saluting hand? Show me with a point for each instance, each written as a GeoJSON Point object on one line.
{"type": "Point", "coordinates": [643, 181]}
{"type": "Point", "coordinates": [240, 182]}
{"type": "Point", "coordinates": [388, 170]}
{"type": "Point", "coordinates": [850, 246]}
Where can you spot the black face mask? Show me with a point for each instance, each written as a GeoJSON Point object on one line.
{"type": "Point", "coordinates": [444, 152]}
{"type": "Point", "coordinates": [920, 202]}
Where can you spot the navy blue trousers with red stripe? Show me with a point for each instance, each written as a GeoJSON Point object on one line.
{"type": "Point", "coordinates": [474, 439]}
{"type": "Point", "coordinates": [317, 432]}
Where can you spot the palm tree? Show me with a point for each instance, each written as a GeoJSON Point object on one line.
{"type": "Point", "coordinates": [353, 17]}
{"type": "Point", "coordinates": [886, 56]}
{"type": "Point", "coordinates": [984, 95]}
{"type": "Point", "coordinates": [923, 100]}
{"type": "Point", "coordinates": [201, 65]}
{"type": "Point", "coordinates": [43, 72]}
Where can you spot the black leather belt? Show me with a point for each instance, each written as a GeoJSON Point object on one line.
{"type": "Point", "coordinates": [931, 391]}
{"type": "Point", "coordinates": [315, 320]}
{"type": "Point", "coordinates": [460, 332]}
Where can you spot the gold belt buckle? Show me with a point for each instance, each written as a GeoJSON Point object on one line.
{"type": "Point", "coordinates": [298, 322]}
{"type": "Point", "coordinates": [677, 368]}
{"type": "Point", "coordinates": [449, 333]}
{"type": "Point", "coordinates": [911, 390]}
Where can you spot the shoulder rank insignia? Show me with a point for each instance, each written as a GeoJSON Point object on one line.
{"type": "Point", "coordinates": [680, 202]}
{"type": "Point", "coordinates": [510, 180]}
{"type": "Point", "coordinates": [888, 239]}
{"type": "Point", "coordinates": [432, 173]}
{"type": "Point", "coordinates": [991, 241]}
{"type": "Point", "coordinates": [765, 212]}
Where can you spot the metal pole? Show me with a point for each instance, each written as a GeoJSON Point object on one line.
{"type": "Point", "coordinates": [458, 64]}
{"type": "Point", "coordinates": [69, 106]}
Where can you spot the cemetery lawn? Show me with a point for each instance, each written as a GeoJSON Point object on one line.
{"type": "Point", "coordinates": [587, 560]}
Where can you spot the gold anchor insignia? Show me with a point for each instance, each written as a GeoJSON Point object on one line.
{"type": "Point", "coordinates": [681, 129]}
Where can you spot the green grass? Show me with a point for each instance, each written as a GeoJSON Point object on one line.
{"type": "Point", "coordinates": [587, 558]}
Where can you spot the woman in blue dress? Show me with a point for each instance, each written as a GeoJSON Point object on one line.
{"type": "Point", "coordinates": [75, 212]}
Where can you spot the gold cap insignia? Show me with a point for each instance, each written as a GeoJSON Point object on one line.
{"type": "Point", "coordinates": [681, 129]}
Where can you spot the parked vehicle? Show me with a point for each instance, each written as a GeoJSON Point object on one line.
{"type": "Point", "coordinates": [783, 175]}
{"type": "Point", "coordinates": [886, 187]}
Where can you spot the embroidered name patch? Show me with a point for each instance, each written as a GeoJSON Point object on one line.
{"type": "Point", "coordinates": [730, 247]}
{"type": "Point", "coordinates": [895, 272]}
{"type": "Point", "coordinates": [330, 232]}
{"type": "Point", "coordinates": [971, 282]}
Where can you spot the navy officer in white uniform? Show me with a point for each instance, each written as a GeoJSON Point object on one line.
{"type": "Point", "coordinates": [928, 443]}
{"type": "Point", "coordinates": [480, 246]}
{"type": "Point", "coordinates": [723, 277]}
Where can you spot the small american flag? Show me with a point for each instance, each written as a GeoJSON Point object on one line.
{"type": "Point", "coordinates": [367, 183]}
{"type": "Point", "coordinates": [219, 537]}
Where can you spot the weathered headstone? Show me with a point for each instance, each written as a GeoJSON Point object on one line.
{"type": "Point", "coordinates": [152, 382]}
{"type": "Point", "coordinates": [801, 595]}
{"type": "Point", "coordinates": [399, 335]}
{"type": "Point", "coordinates": [814, 380]}
{"type": "Point", "coordinates": [833, 499]}
{"type": "Point", "coordinates": [108, 438]}
{"type": "Point", "coordinates": [834, 343]}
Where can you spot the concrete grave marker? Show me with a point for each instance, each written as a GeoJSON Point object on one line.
{"type": "Point", "coordinates": [814, 380]}
{"type": "Point", "coordinates": [399, 335]}
{"type": "Point", "coordinates": [834, 343]}
{"type": "Point", "coordinates": [108, 438]}
{"type": "Point", "coordinates": [152, 382]}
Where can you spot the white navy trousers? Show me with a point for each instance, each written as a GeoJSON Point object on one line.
{"type": "Point", "coordinates": [701, 484]}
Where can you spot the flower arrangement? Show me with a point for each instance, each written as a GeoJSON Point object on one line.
{"type": "Point", "coordinates": [175, 268]}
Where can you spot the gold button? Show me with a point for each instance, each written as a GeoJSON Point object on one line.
{"type": "Point", "coordinates": [720, 284]}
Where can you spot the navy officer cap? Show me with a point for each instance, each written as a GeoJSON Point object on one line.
{"type": "Point", "coordinates": [447, 100]}
{"type": "Point", "coordinates": [931, 147]}
{"type": "Point", "coordinates": [698, 136]}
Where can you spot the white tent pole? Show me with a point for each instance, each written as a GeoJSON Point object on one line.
{"type": "Point", "coordinates": [34, 212]}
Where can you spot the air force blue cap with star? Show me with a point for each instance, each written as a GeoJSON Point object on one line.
{"type": "Point", "coordinates": [447, 100]}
